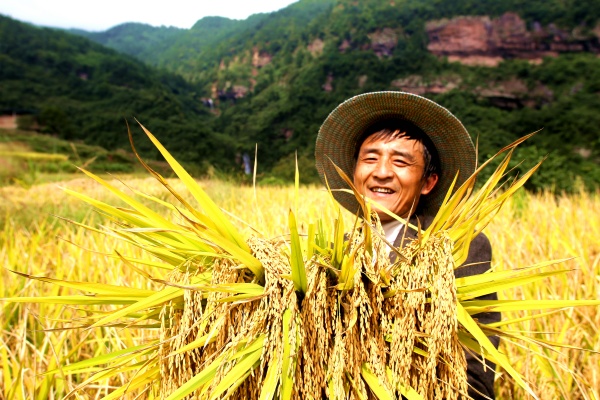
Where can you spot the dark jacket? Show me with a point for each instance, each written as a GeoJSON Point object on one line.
{"type": "Point", "coordinates": [478, 261]}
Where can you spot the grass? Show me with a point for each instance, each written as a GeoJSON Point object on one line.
{"type": "Point", "coordinates": [28, 158]}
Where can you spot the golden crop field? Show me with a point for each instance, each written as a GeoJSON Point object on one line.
{"type": "Point", "coordinates": [38, 338]}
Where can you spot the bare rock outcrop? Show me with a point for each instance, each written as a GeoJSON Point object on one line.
{"type": "Point", "coordinates": [383, 41]}
{"type": "Point", "coordinates": [260, 58]}
{"type": "Point", "coordinates": [480, 40]}
{"type": "Point", "coordinates": [316, 47]}
{"type": "Point", "coordinates": [507, 94]}
{"type": "Point", "coordinates": [416, 84]}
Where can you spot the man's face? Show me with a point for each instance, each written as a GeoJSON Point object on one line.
{"type": "Point", "coordinates": [390, 172]}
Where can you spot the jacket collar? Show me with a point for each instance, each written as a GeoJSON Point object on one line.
{"type": "Point", "coordinates": [407, 234]}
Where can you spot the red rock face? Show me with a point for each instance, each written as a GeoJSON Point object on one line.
{"type": "Point", "coordinates": [484, 41]}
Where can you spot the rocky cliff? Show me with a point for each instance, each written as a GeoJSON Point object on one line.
{"type": "Point", "coordinates": [481, 40]}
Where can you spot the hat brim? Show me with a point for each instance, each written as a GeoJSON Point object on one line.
{"type": "Point", "coordinates": [339, 134]}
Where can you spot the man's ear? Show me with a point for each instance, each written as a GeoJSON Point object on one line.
{"type": "Point", "coordinates": [429, 183]}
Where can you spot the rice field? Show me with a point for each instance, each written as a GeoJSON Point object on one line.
{"type": "Point", "coordinates": [530, 229]}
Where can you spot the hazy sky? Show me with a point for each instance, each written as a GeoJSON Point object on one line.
{"type": "Point", "coordinates": [100, 15]}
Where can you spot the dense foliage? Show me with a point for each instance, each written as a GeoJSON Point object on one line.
{"type": "Point", "coordinates": [273, 78]}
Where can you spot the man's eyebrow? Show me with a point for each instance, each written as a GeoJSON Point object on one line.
{"type": "Point", "coordinates": [403, 153]}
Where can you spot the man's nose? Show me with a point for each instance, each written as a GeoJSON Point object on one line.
{"type": "Point", "coordinates": [383, 169]}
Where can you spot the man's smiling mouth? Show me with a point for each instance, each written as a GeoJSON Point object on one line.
{"type": "Point", "coordinates": [382, 190]}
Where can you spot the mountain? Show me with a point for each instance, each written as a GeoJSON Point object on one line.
{"type": "Point", "coordinates": [79, 90]}
{"type": "Point", "coordinates": [142, 41]}
{"type": "Point", "coordinates": [504, 68]}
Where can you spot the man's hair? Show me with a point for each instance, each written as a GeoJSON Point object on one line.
{"type": "Point", "coordinates": [391, 129]}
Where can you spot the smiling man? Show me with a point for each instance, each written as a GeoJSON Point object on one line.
{"type": "Point", "coordinates": [403, 151]}
{"type": "Point", "coordinates": [395, 164]}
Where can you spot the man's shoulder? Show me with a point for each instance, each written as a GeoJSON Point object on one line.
{"type": "Point", "coordinates": [481, 244]}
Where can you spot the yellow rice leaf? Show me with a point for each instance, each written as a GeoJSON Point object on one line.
{"type": "Point", "coordinates": [296, 259]}
{"type": "Point", "coordinates": [203, 340]}
{"type": "Point", "coordinates": [482, 289]}
{"type": "Point", "coordinates": [310, 241]}
{"type": "Point", "coordinates": [288, 363]}
{"type": "Point", "coordinates": [200, 342]}
{"type": "Point", "coordinates": [239, 253]}
{"type": "Point", "coordinates": [505, 322]}
{"type": "Point", "coordinates": [374, 384]}
{"type": "Point", "coordinates": [478, 306]}
{"type": "Point", "coordinates": [348, 270]}
{"type": "Point", "coordinates": [234, 387]}
{"type": "Point", "coordinates": [223, 225]}
{"type": "Point", "coordinates": [155, 219]}
{"type": "Point", "coordinates": [406, 391]}
{"type": "Point", "coordinates": [490, 276]}
{"type": "Point", "coordinates": [208, 373]}
{"type": "Point", "coordinates": [140, 380]}
{"type": "Point", "coordinates": [198, 381]}
{"type": "Point", "coordinates": [355, 387]}
{"type": "Point", "coordinates": [296, 184]}
{"type": "Point", "coordinates": [157, 299]}
{"type": "Point", "coordinates": [472, 344]}
{"type": "Point", "coordinates": [239, 287]}
{"type": "Point", "coordinates": [98, 288]}
{"type": "Point", "coordinates": [104, 374]}
{"type": "Point", "coordinates": [115, 356]}
{"type": "Point", "coordinates": [75, 300]}
{"type": "Point", "coordinates": [254, 345]}
{"type": "Point", "coordinates": [171, 232]}
{"type": "Point", "coordinates": [238, 373]}
{"type": "Point", "coordinates": [338, 242]}
{"type": "Point", "coordinates": [359, 197]}
{"type": "Point", "coordinates": [269, 385]}
{"type": "Point", "coordinates": [470, 325]}
{"type": "Point", "coordinates": [6, 375]}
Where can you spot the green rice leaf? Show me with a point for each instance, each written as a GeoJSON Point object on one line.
{"type": "Point", "coordinates": [296, 259]}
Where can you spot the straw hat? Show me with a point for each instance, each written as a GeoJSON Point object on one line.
{"type": "Point", "coordinates": [339, 134]}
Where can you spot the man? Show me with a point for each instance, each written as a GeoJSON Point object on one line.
{"type": "Point", "coordinates": [403, 151]}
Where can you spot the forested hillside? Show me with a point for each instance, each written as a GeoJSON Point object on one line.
{"type": "Point", "coordinates": [504, 68]}
{"type": "Point", "coordinates": [142, 41]}
{"type": "Point", "coordinates": [71, 87]}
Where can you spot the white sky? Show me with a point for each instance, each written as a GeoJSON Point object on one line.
{"type": "Point", "coordinates": [99, 15]}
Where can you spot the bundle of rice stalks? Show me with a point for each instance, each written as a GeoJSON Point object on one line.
{"type": "Point", "coordinates": [321, 316]}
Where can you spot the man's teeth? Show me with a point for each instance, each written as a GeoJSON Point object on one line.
{"type": "Point", "coordinates": [382, 190]}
